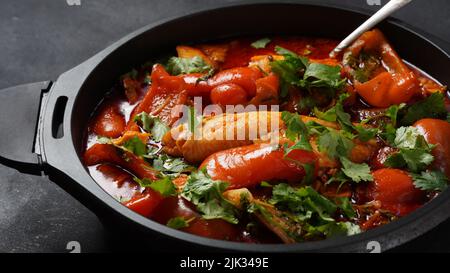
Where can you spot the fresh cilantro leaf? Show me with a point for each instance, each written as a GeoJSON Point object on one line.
{"type": "Point", "coordinates": [171, 165]}
{"type": "Point", "coordinates": [410, 138]}
{"type": "Point", "coordinates": [136, 146]}
{"type": "Point", "coordinates": [179, 222]}
{"type": "Point", "coordinates": [329, 115]}
{"type": "Point", "coordinates": [153, 125]}
{"type": "Point", "coordinates": [302, 144]}
{"type": "Point", "coordinates": [342, 117]}
{"type": "Point", "coordinates": [415, 159]}
{"type": "Point", "coordinates": [365, 133]}
{"type": "Point", "coordinates": [206, 76]}
{"type": "Point", "coordinates": [315, 128]}
{"type": "Point", "coordinates": [196, 64]}
{"type": "Point", "coordinates": [296, 130]}
{"type": "Point", "coordinates": [414, 151]}
{"type": "Point", "coordinates": [303, 214]}
{"type": "Point", "coordinates": [295, 127]}
{"type": "Point", "coordinates": [363, 65]}
{"type": "Point", "coordinates": [298, 71]}
{"type": "Point", "coordinates": [266, 184]}
{"type": "Point", "coordinates": [430, 181]}
{"type": "Point", "coordinates": [306, 103]}
{"type": "Point", "coordinates": [322, 75]}
{"type": "Point", "coordinates": [337, 113]}
{"type": "Point", "coordinates": [332, 229]}
{"type": "Point", "coordinates": [164, 185]}
{"type": "Point", "coordinates": [304, 202]}
{"type": "Point", "coordinates": [431, 107]}
{"type": "Point", "coordinates": [206, 195]}
{"type": "Point", "coordinates": [395, 160]}
{"type": "Point", "coordinates": [261, 43]}
{"type": "Point", "coordinates": [309, 173]}
{"type": "Point", "coordinates": [356, 172]}
{"type": "Point", "coordinates": [335, 143]}
{"type": "Point", "coordinates": [392, 113]}
{"type": "Point", "coordinates": [389, 133]}
{"type": "Point", "coordinates": [289, 69]}
{"type": "Point", "coordinates": [346, 206]}
{"type": "Point", "coordinates": [286, 52]}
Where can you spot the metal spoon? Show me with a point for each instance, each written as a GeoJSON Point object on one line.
{"type": "Point", "coordinates": [380, 15]}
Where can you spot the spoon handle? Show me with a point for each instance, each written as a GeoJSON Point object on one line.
{"type": "Point", "coordinates": [380, 15]}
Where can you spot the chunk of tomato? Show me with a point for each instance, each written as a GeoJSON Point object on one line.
{"type": "Point", "coordinates": [437, 132]}
{"type": "Point", "coordinates": [177, 206]}
{"type": "Point", "coordinates": [395, 190]}
{"type": "Point", "coordinates": [228, 94]}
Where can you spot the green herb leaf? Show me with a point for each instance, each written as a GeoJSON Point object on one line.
{"type": "Point", "coordinates": [335, 143]}
{"type": "Point", "coordinates": [296, 130]}
{"type": "Point", "coordinates": [304, 202]}
{"type": "Point", "coordinates": [365, 133]}
{"type": "Point", "coordinates": [261, 43]}
{"type": "Point", "coordinates": [178, 222]}
{"type": "Point", "coordinates": [164, 185]}
{"type": "Point", "coordinates": [136, 146]}
{"type": "Point", "coordinates": [337, 113]}
{"type": "Point", "coordinates": [286, 52]}
{"type": "Point", "coordinates": [206, 194]}
{"type": "Point", "coordinates": [356, 172]}
{"type": "Point", "coordinates": [430, 181]}
{"type": "Point", "coordinates": [414, 151]}
{"type": "Point", "coordinates": [295, 127]}
{"type": "Point", "coordinates": [266, 184]}
{"type": "Point", "coordinates": [415, 159]}
{"type": "Point", "coordinates": [153, 125]}
{"type": "Point", "coordinates": [389, 133]}
{"type": "Point", "coordinates": [171, 165]}
{"type": "Point", "coordinates": [309, 173]}
{"type": "Point", "coordinates": [346, 206]}
{"type": "Point", "coordinates": [329, 115]}
{"type": "Point", "coordinates": [333, 229]}
{"type": "Point", "coordinates": [392, 113]}
{"type": "Point", "coordinates": [322, 75]}
{"type": "Point", "coordinates": [298, 71]}
{"type": "Point", "coordinates": [302, 144]}
{"type": "Point", "coordinates": [431, 107]}
{"type": "Point", "coordinates": [303, 214]}
{"type": "Point", "coordinates": [410, 138]}
{"type": "Point", "coordinates": [177, 66]}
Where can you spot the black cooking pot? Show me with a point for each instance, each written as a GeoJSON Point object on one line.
{"type": "Point", "coordinates": [42, 124]}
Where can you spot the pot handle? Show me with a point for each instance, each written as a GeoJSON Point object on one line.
{"type": "Point", "coordinates": [19, 116]}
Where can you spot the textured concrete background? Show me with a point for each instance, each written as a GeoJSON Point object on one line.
{"type": "Point", "coordinates": [42, 39]}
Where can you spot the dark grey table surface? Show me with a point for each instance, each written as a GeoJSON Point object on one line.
{"type": "Point", "coordinates": [41, 39]}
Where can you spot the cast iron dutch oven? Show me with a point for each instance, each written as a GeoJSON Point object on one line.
{"type": "Point", "coordinates": [52, 115]}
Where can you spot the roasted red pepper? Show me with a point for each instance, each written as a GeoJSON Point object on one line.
{"type": "Point", "coordinates": [165, 93]}
{"type": "Point", "coordinates": [389, 82]}
{"type": "Point", "coordinates": [249, 165]}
